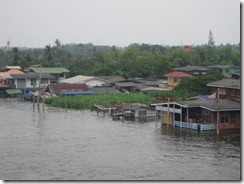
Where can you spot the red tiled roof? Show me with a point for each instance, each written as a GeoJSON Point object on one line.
{"type": "Point", "coordinates": [59, 88]}
{"type": "Point", "coordinates": [13, 71]}
{"type": "Point", "coordinates": [178, 74]}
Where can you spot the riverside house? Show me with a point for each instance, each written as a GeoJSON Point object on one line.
{"type": "Point", "coordinates": [68, 89]}
{"type": "Point", "coordinates": [223, 113]}
{"type": "Point", "coordinates": [59, 73]}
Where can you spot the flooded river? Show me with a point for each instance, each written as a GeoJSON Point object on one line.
{"type": "Point", "coordinates": [79, 145]}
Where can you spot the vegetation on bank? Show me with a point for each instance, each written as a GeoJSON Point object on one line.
{"type": "Point", "coordinates": [136, 60]}
{"type": "Point", "coordinates": [187, 88]}
{"type": "Point", "coordinates": [88, 101]}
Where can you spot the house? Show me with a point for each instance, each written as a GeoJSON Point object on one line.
{"type": "Point", "coordinates": [227, 88]}
{"type": "Point", "coordinates": [200, 114]}
{"type": "Point", "coordinates": [137, 110]}
{"type": "Point", "coordinates": [30, 81]}
{"type": "Point", "coordinates": [220, 113]}
{"type": "Point", "coordinates": [68, 89]}
{"type": "Point", "coordinates": [226, 70]}
{"type": "Point", "coordinates": [193, 70]}
{"type": "Point", "coordinates": [81, 79]}
{"type": "Point", "coordinates": [59, 73]}
{"type": "Point", "coordinates": [126, 86]}
{"type": "Point", "coordinates": [111, 80]}
{"type": "Point", "coordinates": [174, 78]}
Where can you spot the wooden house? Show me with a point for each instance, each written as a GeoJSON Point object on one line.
{"type": "Point", "coordinates": [227, 88]}
{"type": "Point", "coordinates": [137, 110]}
{"type": "Point", "coordinates": [220, 113]}
{"type": "Point", "coordinates": [199, 114]}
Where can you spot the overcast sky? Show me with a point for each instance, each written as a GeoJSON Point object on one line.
{"type": "Point", "coordinates": [37, 23]}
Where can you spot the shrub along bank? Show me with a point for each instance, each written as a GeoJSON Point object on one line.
{"type": "Point", "coordinates": [88, 101]}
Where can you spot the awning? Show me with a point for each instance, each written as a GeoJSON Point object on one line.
{"type": "Point", "coordinates": [13, 91]}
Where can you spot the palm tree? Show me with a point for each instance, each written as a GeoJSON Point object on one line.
{"type": "Point", "coordinates": [48, 56]}
{"type": "Point", "coordinates": [57, 43]}
{"type": "Point", "coordinates": [15, 52]}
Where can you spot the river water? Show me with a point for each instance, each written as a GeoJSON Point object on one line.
{"type": "Point", "coordinates": [60, 144]}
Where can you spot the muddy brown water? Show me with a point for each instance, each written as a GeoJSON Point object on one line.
{"type": "Point", "coordinates": [60, 144]}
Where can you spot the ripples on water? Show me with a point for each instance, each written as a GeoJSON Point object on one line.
{"type": "Point", "coordinates": [79, 145]}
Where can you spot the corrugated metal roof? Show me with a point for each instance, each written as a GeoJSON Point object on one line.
{"type": "Point", "coordinates": [58, 89]}
{"type": "Point", "coordinates": [213, 105]}
{"type": "Point", "coordinates": [32, 76]}
{"type": "Point", "coordinates": [51, 70]}
{"type": "Point", "coordinates": [13, 67]}
{"type": "Point", "coordinates": [125, 84]}
{"type": "Point", "coordinates": [105, 90]}
{"type": "Point", "coordinates": [226, 83]}
{"type": "Point", "coordinates": [77, 79]}
{"type": "Point", "coordinates": [192, 68]}
{"type": "Point", "coordinates": [111, 79]}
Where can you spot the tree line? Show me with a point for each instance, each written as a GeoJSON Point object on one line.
{"type": "Point", "coordinates": [136, 60]}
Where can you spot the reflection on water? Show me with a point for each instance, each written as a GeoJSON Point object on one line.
{"type": "Point", "coordinates": [60, 144]}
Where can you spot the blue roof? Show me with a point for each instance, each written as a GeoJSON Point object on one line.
{"type": "Point", "coordinates": [67, 93]}
{"type": "Point", "coordinates": [205, 97]}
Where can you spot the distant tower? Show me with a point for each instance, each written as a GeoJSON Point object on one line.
{"type": "Point", "coordinates": [8, 45]}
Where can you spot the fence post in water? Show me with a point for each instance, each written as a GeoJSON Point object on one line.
{"type": "Point", "coordinates": [43, 107]}
{"type": "Point", "coordinates": [33, 97]}
{"type": "Point", "coordinates": [156, 118]}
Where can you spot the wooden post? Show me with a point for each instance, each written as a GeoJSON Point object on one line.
{"type": "Point", "coordinates": [168, 113]}
{"type": "Point", "coordinates": [33, 98]}
{"type": "Point", "coordinates": [218, 111]}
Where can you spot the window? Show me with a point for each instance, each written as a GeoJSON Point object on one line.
{"type": "Point", "coordinates": [33, 82]}
{"type": "Point", "coordinates": [224, 117]}
{"type": "Point", "coordinates": [142, 113]}
{"type": "Point", "coordinates": [44, 81]}
{"type": "Point", "coordinates": [175, 80]}
{"type": "Point", "coordinates": [206, 116]}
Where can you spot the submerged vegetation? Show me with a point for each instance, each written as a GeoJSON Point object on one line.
{"type": "Point", "coordinates": [88, 101]}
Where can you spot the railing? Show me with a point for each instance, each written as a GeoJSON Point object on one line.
{"type": "Point", "coordinates": [194, 126]}
{"type": "Point", "coordinates": [204, 127]}
{"type": "Point", "coordinates": [180, 124]}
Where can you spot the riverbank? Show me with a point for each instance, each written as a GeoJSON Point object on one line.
{"type": "Point", "coordinates": [88, 101]}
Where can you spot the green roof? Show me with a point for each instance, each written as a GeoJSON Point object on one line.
{"type": "Point", "coordinates": [13, 91]}
{"type": "Point", "coordinates": [49, 70]}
